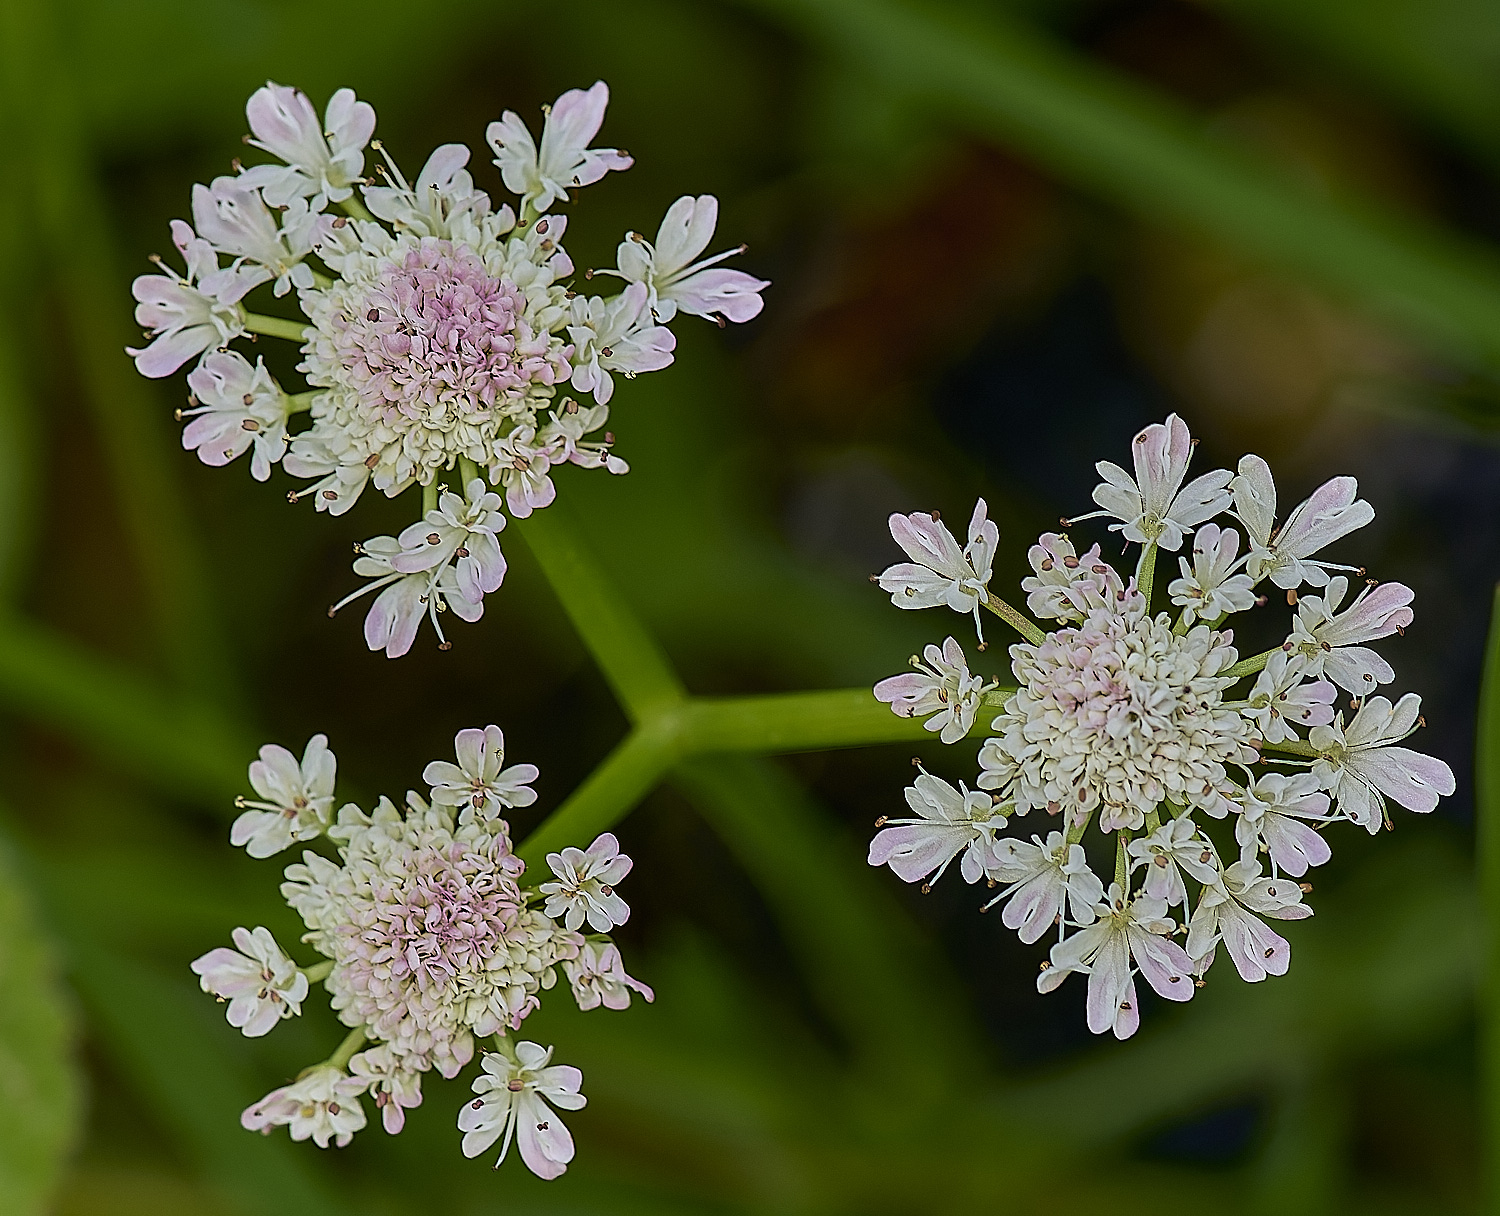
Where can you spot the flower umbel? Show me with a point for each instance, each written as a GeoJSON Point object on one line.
{"type": "Point", "coordinates": [431, 943]}
{"type": "Point", "coordinates": [437, 330]}
{"type": "Point", "coordinates": [1148, 726]}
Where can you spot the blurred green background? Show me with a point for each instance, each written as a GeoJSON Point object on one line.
{"type": "Point", "coordinates": [1003, 236]}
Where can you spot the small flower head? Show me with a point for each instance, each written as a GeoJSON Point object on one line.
{"type": "Point", "coordinates": [239, 408]}
{"type": "Point", "coordinates": [261, 984]}
{"type": "Point", "coordinates": [478, 782]}
{"type": "Point", "coordinates": [940, 572]}
{"type": "Point", "coordinates": [395, 1089]}
{"type": "Point", "coordinates": [1154, 507]}
{"type": "Point", "coordinates": [565, 161]}
{"type": "Point", "coordinates": [1144, 721]}
{"type": "Point", "coordinates": [940, 690]}
{"type": "Point", "coordinates": [598, 977]}
{"type": "Point", "coordinates": [322, 1105]}
{"type": "Point", "coordinates": [949, 822]}
{"type": "Point", "coordinates": [677, 278]}
{"type": "Point", "coordinates": [296, 798]}
{"type": "Point", "coordinates": [437, 330]}
{"type": "Point", "coordinates": [585, 886]}
{"type": "Point", "coordinates": [517, 1092]}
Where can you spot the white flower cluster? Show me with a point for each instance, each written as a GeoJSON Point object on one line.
{"type": "Point", "coordinates": [1147, 724]}
{"type": "Point", "coordinates": [429, 943]}
{"type": "Point", "coordinates": [437, 330]}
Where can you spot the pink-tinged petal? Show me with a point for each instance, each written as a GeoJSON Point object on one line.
{"type": "Point", "coordinates": [1033, 909]}
{"type": "Point", "coordinates": [350, 122]}
{"type": "Point", "coordinates": [543, 1139]}
{"type": "Point", "coordinates": [575, 117]}
{"type": "Point", "coordinates": [902, 687]}
{"type": "Point", "coordinates": [463, 609]}
{"type": "Point", "coordinates": [1165, 965]}
{"type": "Point", "coordinates": [685, 231]}
{"type": "Point", "coordinates": [391, 624]}
{"type": "Point", "coordinates": [1256, 949]}
{"type": "Point", "coordinates": [731, 293]}
{"type": "Point", "coordinates": [1202, 498]}
{"type": "Point", "coordinates": [1379, 612]}
{"type": "Point", "coordinates": [926, 541]}
{"type": "Point", "coordinates": [1357, 669]}
{"type": "Point", "coordinates": [170, 351]}
{"type": "Point", "coordinates": [915, 851]}
{"type": "Point", "coordinates": [1294, 846]}
{"type": "Point", "coordinates": [487, 562]}
{"type": "Point", "coordinates": [1330, 512]}
{"type": "Point", "coordinates": [261, 1021]}
{"type": "Point", "coordinates": [1161, 453]}
{"type": "Point", "coordinates": [1412, 779]}
{"type": "Point", "coordinates": [469, 747]}
{"type": "Point", "coordinates": [1109, 982]}
{"type": "Point", "coordinates": [1128, 1020]}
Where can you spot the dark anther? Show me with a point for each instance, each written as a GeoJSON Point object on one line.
{"type": "Point", "coordinates": [373, 315]}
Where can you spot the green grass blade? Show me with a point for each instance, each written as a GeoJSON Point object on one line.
{"type": "Point", "coordinates": [1436, 58]}
{"type": "Point", "coordinates": [40, 1098]}
{"type": "Point", "coordinates": [1119, 139]}
{"type": "Point", "coordinates": [131, 424]}
{"type": "Point", "coordinates": [1487, 828]}
{"type": "Point", "coordinates": [870, 968]}
{"type": "Point", "coordinates": [179, 745]}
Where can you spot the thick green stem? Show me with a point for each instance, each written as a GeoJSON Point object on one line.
{"type": "Point", "coordinates": [1487, 826]}
{"type": "Point", "coordinates": [429, 498]}
{"type": "Point", "coordinates": [318, 971]}
{"type": "Point", "coordinates": [610, 792]}
{"type": "Point", "coordinates": [275, 327]}
{"type": "Point", "coordinates": [467, 470]}
{"type": "Point", "coordinates": [1026, 628]}
{"type": "Point", "coordinates": [297, 402]}
{"type": "Point", "coordinates": [637, 670]}
{"type": "Point", "coordinates": [1122, 863]}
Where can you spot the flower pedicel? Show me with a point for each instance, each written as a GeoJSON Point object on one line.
{"type": "Point", "coordinates": [1144, 723]}
{"type": "Point", "coordinates": [437, 335]}
{"type": "Point", "coordinates": [430, 944]}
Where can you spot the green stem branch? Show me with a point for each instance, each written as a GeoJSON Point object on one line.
{"type": "Point", "coordinates": [275, 327]}
{"type": "Point", "coordinates": [1145, 573]}
{"type": "Point", "coordinates": [1249, 667]}
{"type": "Point", "coordinates": [355, 208]}
{"type": "Point", "coordinates": [1015, 619]}
{"type": "Point", "coordinates": [342, 1054]}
